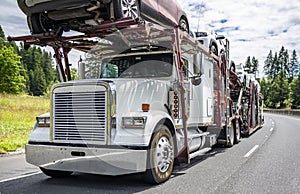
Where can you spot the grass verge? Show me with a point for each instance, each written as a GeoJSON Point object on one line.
{"type": "Point", "coordinates": [17, 117]}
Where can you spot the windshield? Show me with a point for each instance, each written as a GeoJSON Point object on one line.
{"type": "Point", "coordinates": [132, 66]}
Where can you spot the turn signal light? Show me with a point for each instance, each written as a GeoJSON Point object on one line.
{"type": "Point", "coordinates": [145, 107]}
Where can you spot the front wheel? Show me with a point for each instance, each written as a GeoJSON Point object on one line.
{"type": "Point", "coordinates": [160, 156]}
{"type": "Point", "coordinates": [127, 9]}
{"type": "Point", "coordinates": [55, 173]}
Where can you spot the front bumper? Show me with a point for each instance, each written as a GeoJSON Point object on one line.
{"type": "Point", "coordinates": [105, 161]}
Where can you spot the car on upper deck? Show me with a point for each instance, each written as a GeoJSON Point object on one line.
{"type": "Point", "coordinates": [211, 40]}
{"type": "Point", "coordinates": [64, 15]}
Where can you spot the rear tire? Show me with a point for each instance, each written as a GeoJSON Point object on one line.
{"type": "Point", "coordinates": [160, 160]}
{"type": "Point", "coordinates": [230, 136]}
{"type": "Point", "coordinates": [237, 134]}
{"type": "Point", "coordinates": [55, 173]}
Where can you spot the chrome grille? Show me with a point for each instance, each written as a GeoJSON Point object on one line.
{"type": "Point", "coordinates": [80, 117]}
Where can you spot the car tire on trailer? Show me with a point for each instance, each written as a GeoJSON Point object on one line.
{"type": "Point", "coordinates": [213, 48]}
{"type": "Point", "coordinates": [56, 173]}
{"type": "Point", "coordinates": [183, 23]}
{"type": "Point", "coordinates": [127, 9]}
{"type": "Point", "coordinates": [160, 160]}
{"type": "Point", "coordinates": [39, 23]}
{"type": "Point", "coordinates": [36, 23]}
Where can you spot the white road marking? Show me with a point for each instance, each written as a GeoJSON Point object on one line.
{"type": "Point", "coordinates": [271, 129]}
{"type": "Point", "coordinates": [251, 151]}
{"type": "Point", "coordinates": [19, 177]}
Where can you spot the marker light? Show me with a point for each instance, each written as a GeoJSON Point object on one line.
{"type": "Point", "coordinates": [145, 107]}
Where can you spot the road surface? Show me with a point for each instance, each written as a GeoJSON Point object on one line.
{"type": "Point", "coordinates": [266, 162]}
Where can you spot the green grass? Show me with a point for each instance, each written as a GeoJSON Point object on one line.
{"type": "Point", "coordinates": [17, 117]}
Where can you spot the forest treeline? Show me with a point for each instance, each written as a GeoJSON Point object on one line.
{"type": "Point", "coordinates": [280, 84]}
{"type": "Point", "coordinates": [32, 71]}
{"type": "Point", "coordinates": [25, 71]}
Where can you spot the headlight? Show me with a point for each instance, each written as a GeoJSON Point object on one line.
{"type": "Point", "coordinates": [43, 121]}
{"type": "Point", "coordinates": [134, 122]}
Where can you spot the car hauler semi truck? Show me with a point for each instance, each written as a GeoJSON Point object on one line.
{"type": "Point", "coordinates": [147, 98]}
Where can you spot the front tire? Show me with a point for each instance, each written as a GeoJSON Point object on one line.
{"type": "Point", "coordinates": [237, 134]}
{"type": "Point", "coordinates": [127, 9]}
{"type": "Point", "coordinates": [160, 156]}
{"type": "Point", "coordinates": [55, 173]}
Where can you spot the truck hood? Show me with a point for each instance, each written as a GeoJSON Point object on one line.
{"type": "Point", "coordinates": [131, 94]}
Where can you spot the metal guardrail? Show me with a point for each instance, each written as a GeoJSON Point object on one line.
{"type": "Point", "coordinates": [284, 112]}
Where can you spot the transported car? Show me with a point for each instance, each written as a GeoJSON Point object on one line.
{"type": "Point", "coordinates": [243, 75]}
{"type": "Point", "coordinates": [213, 41]}
{"type": "Point", "coordinates": [64, 15]}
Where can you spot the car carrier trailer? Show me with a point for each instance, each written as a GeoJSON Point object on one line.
{"type": "Point", "coordinates": [148, 98]}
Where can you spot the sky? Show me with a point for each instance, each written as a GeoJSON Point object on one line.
{"type": "Point", "coordinates": [253, 27]}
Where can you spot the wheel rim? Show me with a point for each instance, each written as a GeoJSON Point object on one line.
{"type": "Point", "coordinates": [164, 154]}
{"type": "Point", "coordinates": [130, 9]}
{"type": "Point", "coordinates": [183, 24]}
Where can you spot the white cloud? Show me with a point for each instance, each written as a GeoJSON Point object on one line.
{"type": "Point", "coordinates": [254, 27]}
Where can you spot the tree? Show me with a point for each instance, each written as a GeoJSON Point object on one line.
{"type": "Point", "coordinates": [293, 65]}
{"type": "Point", "coordinates": [37, 61]}
{"type": "Point", "coordinates": [38, 82]}
{"type": "Point", "coordinates": [11, 80]}
{"type": "Point", "coordinates": [254, 65]}
{"type": "Point", "coordinates": [74, 74]}
{"type": "Point", "coordinates": [2, 37]}
{"type": "Point", "coordinates": [266, 89]}
{"type": "Point", "coordinates": [295, 92]}
{"type": "Point", "coordinates": [279, 91]}
{"type": "Point", "coordinates": [283, 60]}
{"type": "Point", "coordinates": [268, 64]}
{"type": "Point", "coordinates": [248, 64]}
{"type": "Point", "coordinates": [275, 69]}
{"type": "Point", "coordinates": [251, 65]}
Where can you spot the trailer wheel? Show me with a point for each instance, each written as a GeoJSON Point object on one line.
{"type": "Point", "coordinates": [237, 134]}
{"type": "Point", "coordinates": [55, 173]}
{"type": "Point", "coordinates": [127, 9]}
{"type": "Point", "coordinates": [160, 156]}
{"type": "Point", "coordinates": [230, 136]}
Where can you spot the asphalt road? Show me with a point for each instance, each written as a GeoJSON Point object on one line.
{"type": "Point", "coordinates": [266, 162]}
